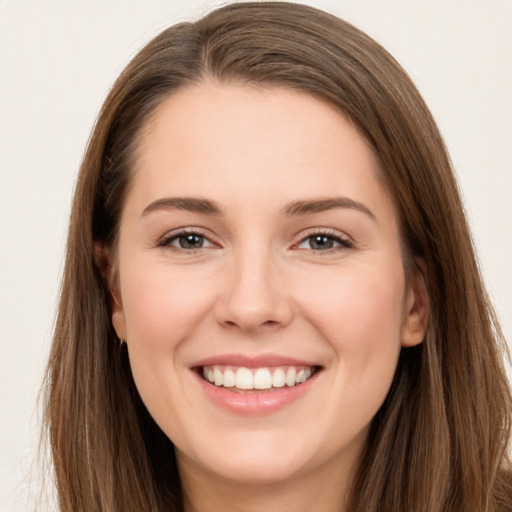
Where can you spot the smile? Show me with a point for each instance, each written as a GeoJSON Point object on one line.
{"type": "Point", "coordinates": [244, 379]}
{"type": "Point", "coordinates": [255, 385]}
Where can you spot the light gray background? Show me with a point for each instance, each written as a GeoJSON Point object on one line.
{"type": "Point", "coordinates": [58, 60]}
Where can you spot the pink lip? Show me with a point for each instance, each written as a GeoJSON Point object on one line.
{"type": "Point", "coordinates": [253, 403]}
{"type": "Point", "coordinates": [259, 361]}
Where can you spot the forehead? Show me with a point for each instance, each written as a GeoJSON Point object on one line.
{"type": "Point", "coordinates": [219, 138]}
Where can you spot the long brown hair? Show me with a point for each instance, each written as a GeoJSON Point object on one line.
{"type": "Point", "coordinates": [439, 441]}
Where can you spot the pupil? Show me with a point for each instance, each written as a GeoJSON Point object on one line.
{"type": "Point", "coordinates": [191, 241]}
{"type": "Point", "coordinates": [322, 242]}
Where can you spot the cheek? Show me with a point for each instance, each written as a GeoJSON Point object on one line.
{"type": "Point", "coordinates": [360, 318]}
{"type": "Point", "coordinates": [162, 306]}
{"type": "Point", "coordinates": [356, 303]}
{"type": "Point", "coordinates": [360, 315]}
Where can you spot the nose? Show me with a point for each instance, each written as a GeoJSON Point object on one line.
{"type": "Point", "coordinates": [253, 297]}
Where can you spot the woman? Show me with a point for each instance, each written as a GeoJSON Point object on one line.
{"type": "Point", "coordinates": [271, 299]}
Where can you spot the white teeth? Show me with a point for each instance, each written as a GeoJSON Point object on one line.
{"type": "Point", "coordinates": [278, 378]}
{"type": "Point", "coordinates": [217, 377]}
{"type": "Point", "coordinates": [262, 379]}
{"type": "Point", "coordinates": [243, 379]}
{"type": "Point", "coordinates": [290, 376]}
{"type": "Point", "coordinates": [258, 378]}
{"type": "Point", "coordinates": [229, 378]}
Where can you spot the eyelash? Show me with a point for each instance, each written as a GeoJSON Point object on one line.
{"type": "Point", "coordinates": [345, 243]}
{"type": "Point", "coordinates": [166, 241]}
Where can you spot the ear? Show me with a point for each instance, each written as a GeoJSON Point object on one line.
{"type": "Point", "coordinates": [417, 307]}
{"type": "Point", "coordinates": [104, 261]}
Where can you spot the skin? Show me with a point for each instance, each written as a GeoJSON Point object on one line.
{"type": "Point", "coordinates": [258, 286]}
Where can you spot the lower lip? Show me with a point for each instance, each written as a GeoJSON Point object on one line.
{"type": "Point", "coordinates": [257, 403]}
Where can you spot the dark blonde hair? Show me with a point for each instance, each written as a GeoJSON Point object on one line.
{"type": "Point", "coordinates": [439, 442]}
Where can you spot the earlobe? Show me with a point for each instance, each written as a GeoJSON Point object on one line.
{"type": "Point", "coordinates": [118, 321]}
{"type": "Point", "coordinates": [417, 310]}
{"type": "Point", "coordinates": [109, 275]}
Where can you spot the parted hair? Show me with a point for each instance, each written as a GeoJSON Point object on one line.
{"type": "Point", "coordinates": [439, 441]}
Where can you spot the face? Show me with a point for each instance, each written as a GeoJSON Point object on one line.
{"type": "Point", "coordinates": [259, 282]}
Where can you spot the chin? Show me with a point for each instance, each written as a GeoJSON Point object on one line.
{"type": "Point", "coordinates": [266, 469]}
{"type": "Point", "coordinates": [253, 459]}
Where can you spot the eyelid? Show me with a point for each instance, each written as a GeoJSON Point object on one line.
{"type": "Point", "coordinates": [344, 240]}
{"type": "Point", "coordinates": [164, 241]}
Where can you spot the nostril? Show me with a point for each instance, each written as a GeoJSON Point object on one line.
{"type": "Point", "coordinates": [252, 327]}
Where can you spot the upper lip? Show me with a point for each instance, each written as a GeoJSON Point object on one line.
{"type": "Point", "coordinates": [252, 361]}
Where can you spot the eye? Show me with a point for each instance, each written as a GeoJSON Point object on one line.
{"type": "Point", "coordinates": [324, 241]}
{"type": "Point", "coordinates": [186, 240]}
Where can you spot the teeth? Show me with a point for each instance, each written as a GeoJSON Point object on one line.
{"type": "Point", "coordinates": [217, 377]}
{"type": "Point", "coordinates": [229, 379]}
{"type": "Point", "coordinates": [278, 378]}
{"type": "Point", "coordinates": [256, 378]}
{"type": "Point", "coordinates": [243, 379]}
{"type": "Point", "coordinates": [262, 379]}
{"type": "Point", "coordinates": [290, 376]}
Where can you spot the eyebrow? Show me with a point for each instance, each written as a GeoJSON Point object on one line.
{"type": "Point", "coordinates": [311, 206]}
{"type": "Point", "coordinates": [293, 209]}
{"type": "Point", "coordinates": [190, 204]}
